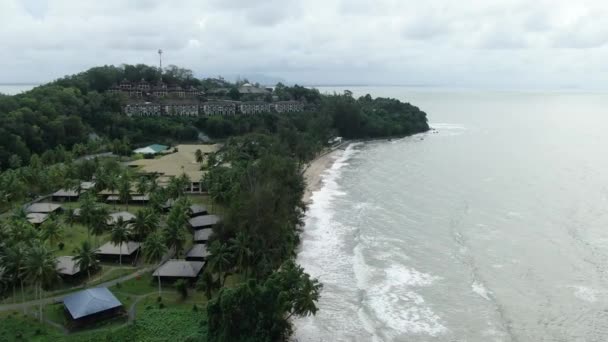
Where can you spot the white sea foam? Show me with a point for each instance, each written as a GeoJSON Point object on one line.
{"type": "Point", "coordinates": [359, 301]}
{"type": "Point", "coordinates": [398, 308]}
{"type": "Point", "coordinates": [481, 290]}
{"type": "Point", "coordinates": [585, 293]}
{"type": "Point", "coordinates": [443, 125]}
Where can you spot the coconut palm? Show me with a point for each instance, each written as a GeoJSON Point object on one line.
{"type": "Point", "coordinates": [145, 222]}
{"type": "Point", "coordinates": [143, 185]}
{"type": "Point", "coordinates": [99, 224]}
{"type": "Point", "coordinates": [239, 246]}
{"type": "Point", "coordinates": [86, 258]}
{"type": "Point", "coordinates": [175, 236]}
{"type": "Point", "coordinates": [13, 261]}
{"type": "Point", "coordinates": [40, 269]}
{"type": "Point", "coordinates": [112, 184]}
{"type": "Point", "coordinates": [198, 154]}
{"type": "Point", "coordinates": [4, 279]}
{"type": "Point", "coordinates": [219, 260]}
{"type": "Point", "coordinates": [70, 216]}
{"type": "Point", "coordinates": [124, 190]}
{"type": "Point", "coordinates": [51, 231]}
{"type": "Point", "coordinates": [174, 231]}
{"type": "Point", "coordinates": [120, 235]}
{"type": "Point", "coordinates": [154, 248]}
{"type": "Point", "coordinates": [88, 205]}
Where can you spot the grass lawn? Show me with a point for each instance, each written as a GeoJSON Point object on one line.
{"type": "Point", "coordinates": [138, 285]}
{"type": "Point", "coordinates": [74, 236]}
{"type": "Point", "coordinates": [17, 327]}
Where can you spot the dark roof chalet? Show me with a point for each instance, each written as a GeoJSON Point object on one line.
{"type": "Point", "coordinates": [90, 301]}
{"type": "Point", "coordinates": [203, 221]}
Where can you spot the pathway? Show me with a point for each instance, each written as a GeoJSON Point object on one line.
{"type": "Point", "coordinates": [58, 298]}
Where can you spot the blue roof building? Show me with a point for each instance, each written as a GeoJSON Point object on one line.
{"type": "Point", "coordinates": [91, 304]}
{"type": "Point", "coordinates": [152, 149]}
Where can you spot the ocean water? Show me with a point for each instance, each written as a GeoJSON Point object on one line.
{"type": "Point", "coordinates": [492, 227]}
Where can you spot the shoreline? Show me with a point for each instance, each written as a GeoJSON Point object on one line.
{"type": "Point", "coordinates": [313, 172]}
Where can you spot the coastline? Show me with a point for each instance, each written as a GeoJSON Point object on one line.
{"type": "Point", "coordinates": [313, 172]}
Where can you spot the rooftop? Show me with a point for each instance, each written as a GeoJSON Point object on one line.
{"type": "Point", "coordinates": [37, 218]}
{"type": "Point", "coordinates": [66, 193]}
{"type": "Point", "coordinates": [90, 301]}
{"type": "Point", "coordinates": [198, 250]}
{"type": "Point", "coordinates": [42, 207]}
{"type": "Point", "coordinates": [175, 164]}
{"type": "Point", "coordinates": [203, 221]}
{"type": "Point", "coordinates": [179, 269]}
{"type": "Point", "coordinates": [151, 149]}
{"type": "Point", "coordinates": [111, 248]}
{"type": "Point", "coordinates": [196, 209]}
{"type": "Point", "coordinates": [126, 216]}
{"type": "Point", "coordinates": [67, 265]}
{"type": "Point", "coordinates": [203, 234]}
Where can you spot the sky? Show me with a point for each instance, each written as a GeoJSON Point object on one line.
{"type": "Point", "coordinates": [475, 43]}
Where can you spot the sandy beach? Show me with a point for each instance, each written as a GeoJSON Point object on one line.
{"type": "Point", "coordinates": [313, 174]}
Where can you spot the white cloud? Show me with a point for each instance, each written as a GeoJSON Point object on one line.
{"type": "Point", "coordinates": [476, 42]}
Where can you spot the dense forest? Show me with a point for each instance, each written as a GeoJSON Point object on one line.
{"type": "Point", "coordinates": [256, 176]}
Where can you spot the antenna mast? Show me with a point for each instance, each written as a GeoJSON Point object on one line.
{"type": "Point", "coordinates": [160, 60]}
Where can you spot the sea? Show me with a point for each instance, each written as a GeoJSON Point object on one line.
{"type": "Point", "coordinates": [493, 226]}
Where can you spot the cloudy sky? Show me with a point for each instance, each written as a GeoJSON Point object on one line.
{"type": "Point", "coordinates": [478, 43]}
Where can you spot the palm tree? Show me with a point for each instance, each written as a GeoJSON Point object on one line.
{"type": "Point", "coordinates": [154, 248]}
{"type": "Point", "coordinates": [144, 223]}
{"type": "Point", "coordinates": [70, 216]}
{"type": "Point", "coordinates": [143, 185]}
{"type": "Point", "coordinates": [239, 246]}
{"type": "Point", "coordinates": [40, 269]}
{"type": "Point", "coordinates": [86, 258]}
{"type": "Point", "coordinates": [88, 206]}
{"type": "Point", "coordinates": [99, 223]}
{"type": "Point", "coordinates": [124, 190]}
{"type": "Point", "coordinates": [4, 279]}
{"type": "Point", "coordinates": [13, 261]}
{"type": "Point", "coordinates": [207, 284]}
{"type": "Point", "coordinates": [199, 156]}
{"type": "Point", "coordinates": [175, 236]}
{"type": "Point", "coordinates": [175, 229]}
{"type": "Point", "coordinates": [51, 231]}
{"type": "Point", "coordinates": [120, 235]}
{"type": "Point", "coordinates": [220, 260]}
{"type": "Point", "coordinates": [112, 184]}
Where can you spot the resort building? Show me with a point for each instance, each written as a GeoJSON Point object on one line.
{"type": "Point", "coordinates": [182, 161]}
{"type": "Point", "coordinates": [65, 195]}
{"type": "Point", "coordinates": [67, 266]}
{"type": "Point", "coordinates": [198, 252]}
{"type": "Point", "coordinates": [288, 106]}
{"type": "Point", "coordinates": [91, 306]}
{"type": "Point", "coordinates": [115, 217]}
{"type": "Point", "coordinates": [151, 149]}
{"type": "Point", "coordinates": [45, 208]}
{"type": "Point", "coordinates": [197, 210]}
{"type": "Point", "coordinates": [205, 221]}
{"type": "Point", "coordinates": [179, 269]}
{"type": "Point", "coordinates": [181, 108]}
{"type": "Point", "coordinates": [249, 89]}
{"type": "Point", "coordinates": [72, 194]}
{"type": "Point", "coordinates": [37, 218]}
{"type": "Point", "coordinates": [202, 235]}
{"type": "Point", "coordinates": [160, 90]}
{"type": "Point", "coordinates": [218, 108]}
{"type": "Point", "coordinates": [254, 107]}
{"type": "Point", "coordinates": [113, 252]}
{"type": "Point", "coordinates": [142, 109]}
